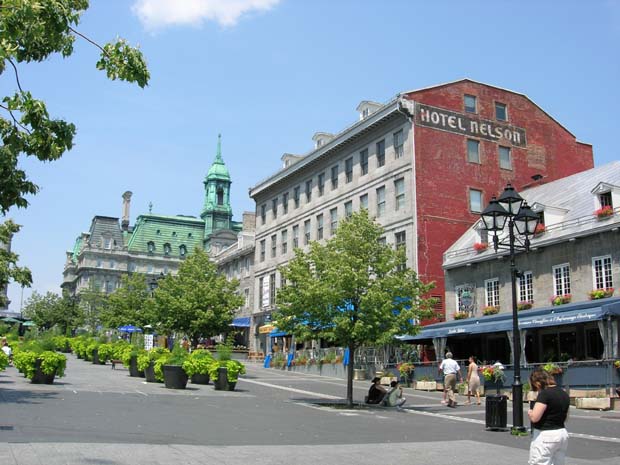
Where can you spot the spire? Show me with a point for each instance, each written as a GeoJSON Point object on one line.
{"type": "Point", "coordinates": [218, 170]}
{"type": "Point", "coordinates": [218, 155]}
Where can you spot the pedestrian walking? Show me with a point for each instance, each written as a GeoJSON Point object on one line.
{"type": "Point", "coordinates": [473, 381]}
{"type": "Point", "coordinates": [550, 438]}
{"type": "Point", "coordinates": [450, 370]}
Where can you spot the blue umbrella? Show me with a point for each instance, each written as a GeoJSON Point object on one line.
{"type": "Point", "coordinates": [129, 329]}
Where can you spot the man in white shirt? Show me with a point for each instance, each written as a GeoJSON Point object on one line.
{"type": "Point", "coordinates": [450, 369]}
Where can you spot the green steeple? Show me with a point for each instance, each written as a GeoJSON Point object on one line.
{"type": "Point", "coordinates": [217, 213]}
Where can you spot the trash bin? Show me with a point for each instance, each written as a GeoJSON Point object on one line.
{"type": "Point", "coordinates": [496, 412]}
{"type": "Point", "coordinates": [359, 374]}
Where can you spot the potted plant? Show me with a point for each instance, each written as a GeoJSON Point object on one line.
{"type": "Point", "coordinates": [524, 305]}
{"type": "Point", "coordinates": [40, 367]}
{"type": "Point", "coordinates": [490, 310]}
{"type": "Point", "coordinates": [426, 383]}
{"type": "Point", "coordinates": [105, 352]}
{"type": "Point", "coordinates": [494, 374]}
{"type": "Point", "coordinates": [460, 315]}
{"type": "Point", "coordinates": [146, 362]}
{"type": "Point", "coordinates": [225, 374]}
{"type": "Point", "coordinates": [540, 229]}
{"type": "Point", "coordinates": [129, 356]}
{"type": "Point", "coordinates": [172, 368]}
{"type": "Point", "coordinates": [480, 246]}
{"type": "Point", "coordinates": [4, 360]}
{"type": "Point", "coordinates": [604, 212]}
{"type": "Point", "coordinates": [552, 368]}
{"type": "Point", "coordinates": [601, 293]}
{"type": "Point", "coordinates": [561, 299]}
{"type": "Point", "coordinates": [406, 371]}
{"type": "Point", "coordinates": [197, 366]}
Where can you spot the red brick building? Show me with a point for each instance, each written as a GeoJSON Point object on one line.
{"type": "Point", "coordinates": [517, 142]}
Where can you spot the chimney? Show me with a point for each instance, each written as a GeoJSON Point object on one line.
{"type": "Point", "coordinates": [249, 221]}
{"type": "Point", "coordinates": [126, 204]}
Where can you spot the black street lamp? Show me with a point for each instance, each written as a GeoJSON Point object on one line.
{"type": "Point", "coordinates": [511, 208]}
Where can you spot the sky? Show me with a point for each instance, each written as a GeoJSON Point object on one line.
{"type": "Point", "coordinates": [267, 75]}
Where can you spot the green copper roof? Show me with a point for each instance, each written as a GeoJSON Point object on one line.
{"type": "Point", "coordinates": [218, 169]}
{"type": "Point", "coordinates": [76, 249]}
{"type": "Point", "coordinates": [163, 231]}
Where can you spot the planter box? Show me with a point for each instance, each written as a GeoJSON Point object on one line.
{"type": "Point", "coordinates": [222, 383]}
{"type": "Point", "coordinates": [601, 403]}
{"type": "Point", "coordinates": [174, 377]}
{"type": "Point", "coordinates": [39, 377]}
{"type": "Point", "coordinates": [149, 373]}
{"type": "Point", "coordinates": [426, 385]}
{"type": "Point", "coordinates": [200, 378]}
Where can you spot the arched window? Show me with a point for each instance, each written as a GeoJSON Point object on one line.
{"type": "Point", "coordinates": [182, 251]}
{"type": "Point", "coordinates": [220, 196]}
{"type": "Point", "coordinates": [167, 249]}
{"type": "Point", "coordinates": [150, 246]}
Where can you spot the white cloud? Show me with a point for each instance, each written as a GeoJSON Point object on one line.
{"type": "Point", "coordinates": [157, 14]}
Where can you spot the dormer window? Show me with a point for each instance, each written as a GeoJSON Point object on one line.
{"type": "Point", "coordinates": [107, 243]}
{"type": "Point", "coordinates": [182, 251]}
{"type": "Point", "coordinates": [158, 232]}
{"type": "Point", "coordinates": [150, 246]}
{"type": "Point", "coordinates": [167, 249]}
{"type": "Point", "coordinates": [605, 200]}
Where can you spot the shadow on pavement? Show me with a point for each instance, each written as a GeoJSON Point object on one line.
{"type": "Point", "coordinates": [25, 397]}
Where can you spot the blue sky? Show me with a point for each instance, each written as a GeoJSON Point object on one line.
{"type": "Point", "coordinates": [268, 74]}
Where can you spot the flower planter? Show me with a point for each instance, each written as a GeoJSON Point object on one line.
{"type": "Point", "coordinates": [174, 377]}
{"type": "Point", "coordinates": [96, 360]}
{"type": "Point", "coordinates": [133, 368]}
{"type": "Point", "coordinates": [39, 377]}
{"type": "Point", "coordinates": [426, 385]}
{"type": "Point", "coordinates": [149, 373]}
{"type": "Point", "coordinates": [222, 383]}
{"type": "Point", "coordinates": [601, 403]}
{"type": "Point", "coordinates": [199, 378]}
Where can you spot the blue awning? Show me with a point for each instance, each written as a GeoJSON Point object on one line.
{"type": "Point", "coordinates": [471, 327]}
{"type": "Point", "coordinates": [241, 322]}
{"type": "Point", "coordinates": [564, 318]}
{"type": "Point", "coordinates": [277, 333]}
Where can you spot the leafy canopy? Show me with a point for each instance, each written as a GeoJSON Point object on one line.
{"type": "Point", "coordinates": [198, 300]}
{"type": "Point", "coordinates": [130, 304]}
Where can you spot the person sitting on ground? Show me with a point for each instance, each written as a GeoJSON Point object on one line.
{"type": "Point", "coordinates": [376, 393]}
{"type": "Point", "coordinates": [394, 397]}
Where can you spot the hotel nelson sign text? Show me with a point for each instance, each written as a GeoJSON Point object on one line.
{"type": "Point", "coordinates": [458, 123]}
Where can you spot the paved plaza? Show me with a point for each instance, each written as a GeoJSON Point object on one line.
{"type": "Point", "coordinates": [96, 415]}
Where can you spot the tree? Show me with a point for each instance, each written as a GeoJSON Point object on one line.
{"type": "Point", "coordinates": [42, 309]}
{"type": "Point", "coordinates": [32, 30]}
{"type": "Point", "coordinates": [8, 261]}
{"type": "Point", "coordinates": [198, 301]}
{"type": "Point", "coordinates": [92, 302]}
{"type": "Point", "coordinates": [130, 304]}
{"type": "Point", "coordinates": [69, 314]}
{"type": "Point", "coordinates": [354, 290]}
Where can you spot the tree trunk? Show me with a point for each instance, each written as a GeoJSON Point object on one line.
{"type": "Point", "coordinates": [350, 375]}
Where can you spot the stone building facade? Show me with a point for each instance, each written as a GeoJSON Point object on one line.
{"type": "Point", "coordinates": [424, 164]}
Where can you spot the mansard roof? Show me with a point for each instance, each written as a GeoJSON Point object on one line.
{"type": "Point", "coordinates": [163, 229]}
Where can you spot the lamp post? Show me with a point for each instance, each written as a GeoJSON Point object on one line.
{"type": "Point", "coordinates": [511, 208]}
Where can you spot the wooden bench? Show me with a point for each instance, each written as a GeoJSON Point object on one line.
{"type": "Point", "coordinates": [114, 362]}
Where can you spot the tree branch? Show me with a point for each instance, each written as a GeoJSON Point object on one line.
{"type": "Point", "coordinates": [88, 40]}
{"type": "Point", "coordinates": [15, 121]}
{"type": "Point", "coordinates": [16, 75]}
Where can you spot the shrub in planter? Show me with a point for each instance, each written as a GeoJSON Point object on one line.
{"type": "Point", "coordinates": [490, 310]}
{"type": "Point", "coordinates": [61, 343]}
{"type": "Point", "coordinates": [234, 368]}
{"type": "Point", "coordinates": [129, 356]}
{"type": "Point", "coordinates": [460, 315]}
{"type": "Point", "coordinates": [197, 366]}
{"type": "Point", "coordinates": [146, 362]}
{"type": "Point", "coordinates": [601, 293]}
{"type": "Point", "coordinates": [35, 364]}
{"type": "Point", "coordinates": [105, 352]}
{"type": "Point", "coordinates": [524, 305]}
{"type": "Point", "coordinates": [561, 299]}
{"type": "Point", "coordinates": [4, 360]}
{"type": "Point", "coordinates": [172, 368]}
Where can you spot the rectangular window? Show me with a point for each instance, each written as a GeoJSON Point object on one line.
{"type": "Point", "coordinates": [470, 104]}
{"type": "Point", "coordinates": [99, 263]}
{"type": "Point", "coordinates": [273, 246]}
{"type": "Point", "coordinates": [601, 266]}
{"type": "Point", "coordinates": [348, 169]}
{"type": "Point", "coordinates": [112, 264]}
{"type": "Point", "coordinates": [274, 208]}
{"type": "Point", "coordinates": [561, 279]}
{"type": "Point", "coordinates": [319, 227]}
{"type": "Point", "coordinates": [399, 187]}
{"type": "Point", "coordinates": [107, 243]}
{"type": "Point", "coordinates": [380, 153]}
{"type": "Point", "coordinates": [285, 203]}
{"type": "Point", "coordinates": [263, 214]}
{"type": "Point", "coordinates": [492, 292]}
{"type": "Point", "coordinates": [306, 232]}
{"type": "Point", "coordinates": [399, 149]}
{"type": "Point", "coordinates": [605, 200]}
{"type": "Point", "coordinates": [526, 287]}
{"type": "Point", "coordinates": [501, 113]}
{"type": "Point", "coordinates": [296, 196]}
{"type": "Point", "coordinates": [335, 177]}
{"type": "Point", "coordinates": [333, 220]}
{"type": "Point", "coordinates": [473, 151]}
{"type": "Point", "coordinates": [295, 236]}
{"type": "Point", "coordinates": [321, 184]}
{"type": "Point", "coordinates": [272, 289]}
{"type": "Point", "coordinates": [262, 250]}
{"type": "Point", "coordinates": [475, 200]}
{"type": "Point", "coordinates": [284, 241]}
{"type": "Point", "coordinates": [380, 201]}
{"type": "Point", "coordinates": [308, 190]}
{"type": "Point", "coordinates": [364, 201]}
{"type": "Point", "coordinates": [348, 208]}
{"type": "Point", "coordinates": [246, 298]}
{"type": "Point", "coordinates": [261, 287]}
{"type": "Point", "coordinates": [364, 162]}
{"type": "Point", "coordinates": [504, 158]}
{"type": "Point", "coordinates": [400, 239]}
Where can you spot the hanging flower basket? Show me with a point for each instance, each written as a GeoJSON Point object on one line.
{"type": "Point", "coordinates": [480, 247]}
{"type": "Point", "coordinates": [601, 293]}
{"type": "Point", "coordinates": [490, 310]}
{"type": "Point", "coordinates": [604, 212]}
{"type": "Point", "coordinates": [524, 305]}
{"type": "Point", "coordinates": [561, 299]}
